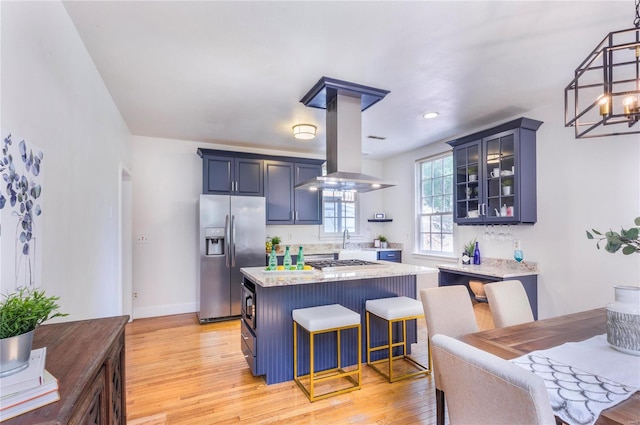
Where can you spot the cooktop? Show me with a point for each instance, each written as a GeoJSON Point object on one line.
{"type": "Point", "coordinates": [341, 264]}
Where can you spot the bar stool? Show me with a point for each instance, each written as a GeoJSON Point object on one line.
{"type": "Point", "coordinates": [320, 320]}
{"type": "Point", "coordinates": [394, 310]}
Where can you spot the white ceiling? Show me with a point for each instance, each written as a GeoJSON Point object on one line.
{"type": "Point", "coordinates": [233, 72]}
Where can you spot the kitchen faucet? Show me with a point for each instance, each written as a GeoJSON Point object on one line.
{"type": "Point", "coordinates": [345, 238]}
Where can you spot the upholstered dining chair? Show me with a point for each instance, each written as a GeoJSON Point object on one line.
{"type": "Point", "coordinates": [484, 389]}
{"type": "Point", "coordinates": [508, 302]}
{"type": "Point", "coordinates": [448, 311]}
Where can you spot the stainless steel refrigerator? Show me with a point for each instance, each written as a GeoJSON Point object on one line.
{"type": "Point", "coordinates": [231, 236]}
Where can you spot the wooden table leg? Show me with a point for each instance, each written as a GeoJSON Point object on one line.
{"type": "Point", "coordinates": [439, 407]}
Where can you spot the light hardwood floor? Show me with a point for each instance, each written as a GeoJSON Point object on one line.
{"type": "Point", "coordinates": [181, 372]}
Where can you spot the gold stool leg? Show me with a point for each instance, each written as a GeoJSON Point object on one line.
{"type": "Point", "coordinates": [368, 338]}
{"type": "Point", "coordinates": [389, 347]}
{"type": "Point", "coordinates": [311, 364]}
{"type": "Point", "coordinates": [390, 342]}
{"type": "Point", "coordinates": [325, 375]}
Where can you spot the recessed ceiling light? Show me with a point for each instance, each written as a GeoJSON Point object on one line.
{"type": "Point", "coordinates": [429, 115]}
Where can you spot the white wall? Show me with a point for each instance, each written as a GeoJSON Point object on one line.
{"type": "Point", "coordinates": [166, 187]}
{"type": "Point", "coordinates": [53, 97]}
{"type": "Point", "coordinates": [581, 184]}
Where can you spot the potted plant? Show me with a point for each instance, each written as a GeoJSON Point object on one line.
{"type": "Point", "coordinates": [623, 315]}
{"type": "Point", "coordinates": [473, 173]}
{"type": "Point", "coordinates": [275, 242]}
{"type": "Point", "coordinates": [20, 314]}
{"type": "Point", "coordinates": [383, 241]}
{"type": "Point", "coordinates": [507, 183]}
{"type": "Point", "coordinates": [467, 253]}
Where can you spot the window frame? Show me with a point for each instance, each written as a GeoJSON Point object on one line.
{"type": "Point", "coordinates": [356, 208]}
{"type": "Point", "coordinates": [419, 249]}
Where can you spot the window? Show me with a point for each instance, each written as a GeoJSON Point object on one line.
{"type": "Point", "coordinates": [434, 208]}
{"type": "Point", "coordinates": [339, 210]}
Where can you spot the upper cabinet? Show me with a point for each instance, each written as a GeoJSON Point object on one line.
{"type": "Point", "coordinates": [495, 175]}
{"type": "Point", "coordinates": [308, 203]}
{"type": "Point", "coordinates": [226, 174]}
{"type": "Point", "coordinates": [274, 177]}
{"type": "Point", "coordinates": [285, 205]}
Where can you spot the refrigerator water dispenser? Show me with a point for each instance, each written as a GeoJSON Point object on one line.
{"type": "Point", "coordinates": [214, 240]}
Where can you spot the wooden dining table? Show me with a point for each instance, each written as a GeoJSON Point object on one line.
{"type": "Point", "coordinates": [514, 341]}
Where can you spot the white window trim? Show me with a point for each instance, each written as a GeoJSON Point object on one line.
{"type": "Point", "coordinates": [436, 255]}
{"type": "Point", "coordinates": [337, 236]}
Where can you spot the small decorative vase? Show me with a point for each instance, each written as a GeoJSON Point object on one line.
{"type": "Point", "coordinates": [623, 320]}
{"type": "Point", "coordinates": [15, 353]}
{"type": "Point", "coordinates": [506, 190]}
{"type": "Point", "coordinates": [383, 245]}
{"type": "Point", "coordinates": [466, 260]}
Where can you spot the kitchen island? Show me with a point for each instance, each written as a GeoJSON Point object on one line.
{"type": "Point", "coordinates": [270, 297]}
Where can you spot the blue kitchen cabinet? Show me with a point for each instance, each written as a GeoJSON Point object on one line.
{"type": "Point", "coordinates": [225, 173]}
{"type": "Point", "coordinates": [274, 177]}
{"type": "Point", "coordinates": [395, 256]}
{"type": "Point", "coordinates": [285, 204]}
{"type": "Point", "coordinates": [495, 175]}
{"type": "Point", "coordinates": [308, 203]}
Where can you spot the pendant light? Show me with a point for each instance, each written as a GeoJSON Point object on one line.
{"type": "Point", "coordinates": [603, 99]}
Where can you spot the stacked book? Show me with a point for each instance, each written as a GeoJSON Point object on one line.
{"type": "Point", "coordinates": [28, 389]}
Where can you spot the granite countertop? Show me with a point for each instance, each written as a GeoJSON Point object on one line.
{"type": "Point", "coordinates": [495, 267]}
{"type": "Point", "coordinates": [266, 279]}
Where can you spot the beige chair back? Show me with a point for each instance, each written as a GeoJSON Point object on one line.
{"type": "Point", "coordinates": [481, 388]}
{"type": "Point", "coordinates": [508, 302]}
{"type": "Point", "coordinates": [448, 311]}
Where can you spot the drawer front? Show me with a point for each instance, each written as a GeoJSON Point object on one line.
{"type": "Point", "coordinates": [395, 256]}
{"type": "Point", "coordinates": [249, 357]}
{"type": "Point", "coordinates": [248, 338]}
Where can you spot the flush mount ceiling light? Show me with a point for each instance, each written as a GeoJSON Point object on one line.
{"type": "Point", "coordinates": [430, 115]}
{"type": "Point", "coordinates": [304, 131]}
{"type": "Point", "coordinates": [605, 93]}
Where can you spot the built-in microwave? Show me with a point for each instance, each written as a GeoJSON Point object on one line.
{"type": "Point", "coordinates": [249, 303]}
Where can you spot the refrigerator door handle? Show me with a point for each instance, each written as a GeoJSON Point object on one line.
{"type": "Point", "coordinates": [233, 241]}
{"type": "Point", "coordinates": [227, 242]}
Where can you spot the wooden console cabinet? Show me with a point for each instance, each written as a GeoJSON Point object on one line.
{"type": "Point", "coordinates": [87, 358]}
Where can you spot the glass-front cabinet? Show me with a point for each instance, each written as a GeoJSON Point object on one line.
{"type": "Point", "coordinates": [495, 178]}
{"type": "Point", "coordinates": [468, 181]}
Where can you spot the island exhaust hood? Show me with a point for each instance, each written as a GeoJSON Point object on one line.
{"type": "Point", "coordinates": [344, 103]}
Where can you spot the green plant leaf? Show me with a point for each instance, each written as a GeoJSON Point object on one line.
{"type": "Point", "coordinates": [612, 246]}
{"type": "Point", "coordinates": [627, 250]}
{"type": "Point", "coordinates": [589, 235]}
{"type": "Point", "coordinates": [630, 234]}
{"type": "Point", "coordinates": [596, 232]}
{"type": "Point", "coordinates": [23, 311]}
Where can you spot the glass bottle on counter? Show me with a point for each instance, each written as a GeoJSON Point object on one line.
{"type": "Point", "coordinates": [300, 259]}
{"type": "Point", "coordinates": [476, 255]}
{"type": "Point", "coordinates": [273, 259]}
{"type": "Point", "coordinates": [287, 259]}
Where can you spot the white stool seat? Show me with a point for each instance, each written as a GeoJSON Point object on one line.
{"type": "Point", "coordinates": [394, 311]}
{"type": "Point", "coordinates": [395, 307]}
{"type": "Point", "coordinates": [325, 317]}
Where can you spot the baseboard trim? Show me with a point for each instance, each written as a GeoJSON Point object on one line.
{"type": "Point", "coordinates": [164, 310]}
